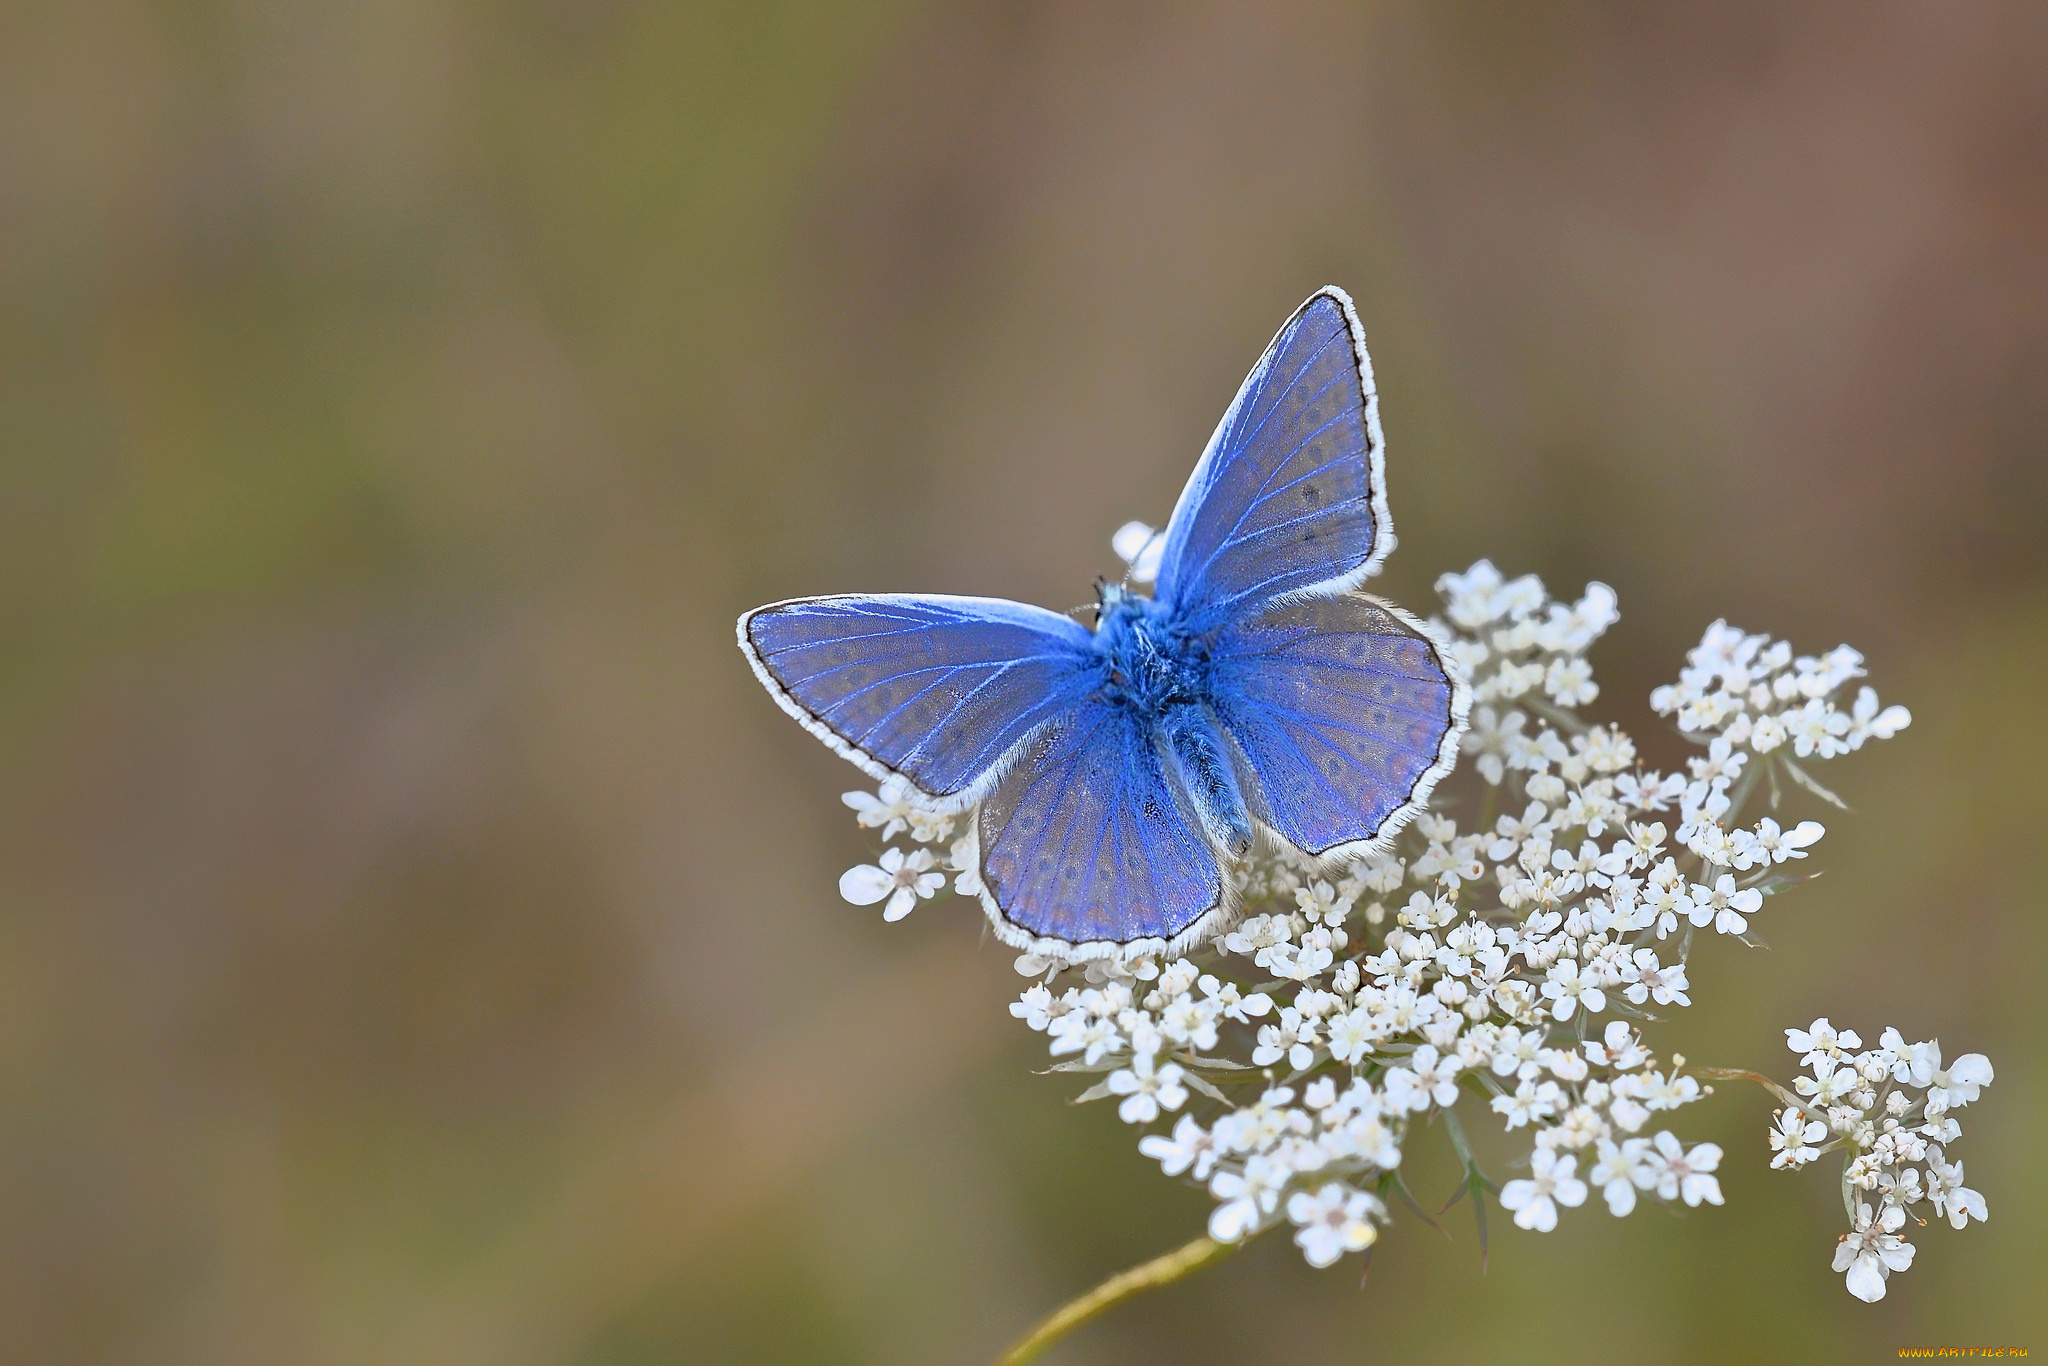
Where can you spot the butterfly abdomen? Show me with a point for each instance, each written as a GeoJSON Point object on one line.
{"type": "Point", "coordinates": [1196, 749]}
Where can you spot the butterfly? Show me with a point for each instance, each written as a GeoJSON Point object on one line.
{"type": "Point", "coordinates": [1119, 777]}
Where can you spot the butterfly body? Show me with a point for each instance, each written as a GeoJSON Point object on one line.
{"type": "Point", "coordinates": [1118, 776]}
{"type": "Point", "coordinates": [1157, 669]}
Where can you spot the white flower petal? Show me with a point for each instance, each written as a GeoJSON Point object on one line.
{"type": "Point", "coordinates": [865, 885]}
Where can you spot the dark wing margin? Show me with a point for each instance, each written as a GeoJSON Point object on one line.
{"type": "Point", "coordinates": [938, 691]}
{"type": "Point", "coordinates": [1291, 492]}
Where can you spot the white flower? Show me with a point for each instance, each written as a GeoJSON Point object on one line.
{"type": "Point", "coordinates": [1873, 1251]}
{"type": "Point", "coordinates": [1959, 1083]}
{"type": "Point", "coordinates": [1510, 832]}
{"type": "Point", "coordinates": [1188, 1021]}
{"type": "Point", "coordinates": [1496, 740]}
{"type": "Point", "coordinates": [1249, 1197]}
{"type": "Point", "coordinates": [928, 827]}
{"type": "Point", "coordinates": [1726, 907]}
{"type": "Point", "coordinates": [1582, 1125]}
{"type": "Point", "coordinates": [1230, 1003]}
{"type": "Point", "coordinates": [903, 879]}
{"type": "Point", "coordinates": [1428, 1076]}
{"type": "Point", "coordinates": [1618, 1048]}
{"type": "Point", "coordinates": [1531, 1101]}
{"type": "Point", "coordinates": [1257, 936]}
{"type": "Point", "coordinates": [1793, 1136]}
{"type": "Point", "coordinates": [1259, 1126]}
{"type": "Point", "coordinates": [1830, 1082]}
{"type": "Point", "coordinates": [1570, 682]}
{"type": "Point", "coordinates": [1628, 1113]}
{"type": "Point", "coordinates": [1177, 978]}
{"type": "Point", "coordinates": [1618, 1171]}
{"type": "Point", "coordinates": [1867, 722]}
{"type": "Point", "coordinates": [1649, 980]}
{"type": "Point", "coordinates": [1819, 1040]}
{"type": "Point", "coordinates": [965, 862]}
{"type": "Point", "coordinates": [1552, 1183]}
{"type": "Point", "coordinates": [1334, 1221]}
{"type": "Point", "coordinates": [1723, 763]}
{"type": "Point", "coordinates": [1573, 630]}
{"type": "Point", "coordinates": [1035, 1007]}
{"type": "Point", "coordinates": [1190, 1147]}
{"type": "Point", "coordinates": [1665, 896]}
{"type": "Point", "coordinates": [1478, 596]}
{"type": "Point", "coordinates": [1145, 1090]}
{"type": "Point", "coordinates": [1650, 791]}
{"type": "Point", "coordinates": [1079, 1031]}
{"type": "Point", "coordinates": [1351, 1036]}
{"type": "Point", "coordinates": [1303, 963]}
{"type": "Point", "coordinates": [1659, 1092]}
{"type": "Point", "coordinates": [1606, 750]}
{"type": "Point", "coordinates": [1569, 987]}
{"type": "Point", "coordinates": [890, 809]}
{"type": "Point", "coordinates": [1515, 1053]}
{"type": "Point", "coordinates": [1945, 1189]}
{"type": "Point", "coordinates": [1676, 1172]}
{"type": "Point", "coordinates": [1816, 728]}
{"type": "Point", "coordinates": [1777, 846]}
{"type": "Point", "coordinates": [1293, 1038]}
{"type": "Point", "coordinates": [1322, 903]}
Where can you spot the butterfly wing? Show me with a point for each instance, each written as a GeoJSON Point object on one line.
{"type": "Point", "coordinates": [1087, 845]}
{"type": "Point", "coordinates": [1343, 707]}
{"type": "Point", "coordinates": [1347, 713]}
{"type": "Point", "coordinates": [936, 690]}
{"type": "Point", "coordinates": [1291, 492]}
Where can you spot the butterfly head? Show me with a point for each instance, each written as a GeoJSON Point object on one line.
{"type": "Point", "coordinates": [1110, 597]}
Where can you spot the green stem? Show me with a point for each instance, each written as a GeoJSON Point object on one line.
{"type": "Point", "coordinates": [1159, 1271]}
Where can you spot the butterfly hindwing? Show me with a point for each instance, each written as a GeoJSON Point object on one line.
{"type": "Point", "coordinates": [1290, 493]}
{"type": "Point", "coordinates": [1086, 840]}
{"type": "Point", "coordinates": [1345, 711]}
{"type": "Point", "coordinates": [937, 690]}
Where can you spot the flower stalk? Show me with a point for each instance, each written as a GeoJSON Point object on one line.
{"type": "Point", "coordinates": [1160, 1271]}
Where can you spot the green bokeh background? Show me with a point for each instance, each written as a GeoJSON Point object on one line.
{"type": "Point", "coordinates": [417, 932]}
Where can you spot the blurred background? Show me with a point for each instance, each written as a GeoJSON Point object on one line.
{"type": "Point", "coordinates": [418, 938]}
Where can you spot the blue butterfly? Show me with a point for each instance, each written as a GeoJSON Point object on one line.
{"type": "Point", "coordinates": [1120, 775]}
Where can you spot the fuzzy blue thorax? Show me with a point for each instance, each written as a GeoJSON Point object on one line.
{"type": "Point", "coordinates": [1156, 671]}
{"type": "Point", "coordinates": [1150, 662]}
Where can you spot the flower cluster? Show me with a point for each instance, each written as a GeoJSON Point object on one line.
{"type": "Point", "coordinates": [1505, 949]}
{"type": "Point", "coordinates": [1750, 690]}
{"type": "Point", "coordinates": [1889, 1110]}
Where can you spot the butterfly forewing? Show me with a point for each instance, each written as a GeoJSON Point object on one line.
{"type": "Point", "coordinates": [934, 689]}
{"type": "Point", "coordinates": [1289, 494]}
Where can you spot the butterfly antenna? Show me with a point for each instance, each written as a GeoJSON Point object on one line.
{"type": "Point", "coordinates": [1131, 565]}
